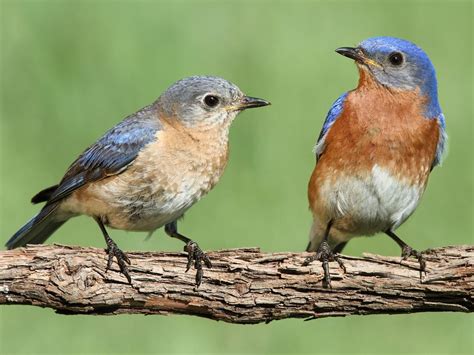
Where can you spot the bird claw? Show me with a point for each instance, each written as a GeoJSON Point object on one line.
{"type": "Point", "coordinates": [408, 251]}
{"type": "Point", "coordinates": [325, 254]}
{"type": "Point", "coordinates": [122, 259]}
{"type": "Point", "coordinates": [196, 256]}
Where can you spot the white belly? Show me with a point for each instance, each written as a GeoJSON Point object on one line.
{"type": "Point", "coordinates": [370, 204]}
{"type": "Point", "coordinates": [148, 205]}
{"type": "Point", "coordinates": [142, 203]}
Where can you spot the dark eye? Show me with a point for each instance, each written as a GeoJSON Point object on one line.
{"type": "Point", "coordinates": [211, 100]}
{"type": "Point", "coordinates": [395, 58]}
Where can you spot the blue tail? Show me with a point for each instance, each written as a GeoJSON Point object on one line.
{"type": "Point", "coordinates": [37, 229]}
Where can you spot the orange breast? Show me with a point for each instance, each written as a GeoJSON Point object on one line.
{"type": "Point", "coordinates": [380, 127]}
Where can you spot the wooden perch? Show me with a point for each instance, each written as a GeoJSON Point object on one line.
{"type": "Point", "coordinates": [244, 285]}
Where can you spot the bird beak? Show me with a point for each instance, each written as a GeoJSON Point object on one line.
{"type": "Point", "coordinates": [357, 55]}
{"type": "Point", "coordinates": [251, 102]}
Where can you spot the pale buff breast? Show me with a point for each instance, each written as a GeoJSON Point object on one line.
{"type": "Point", "coordinates": [167, 178]}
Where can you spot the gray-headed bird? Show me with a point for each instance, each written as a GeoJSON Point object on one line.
{"type": "Point", "coordinates": [148, 170]}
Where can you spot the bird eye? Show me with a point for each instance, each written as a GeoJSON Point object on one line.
{"type": "Point", "coordinates": [211, 100]}
{"type": "Point", "coordinates": [395, 58]}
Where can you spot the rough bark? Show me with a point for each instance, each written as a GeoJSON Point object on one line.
{"type": "Point", "coordinates": [244, 285]}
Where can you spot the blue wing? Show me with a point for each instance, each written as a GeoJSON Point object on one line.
{"type": "Point", "coordinates": [331, 117]}
{"type": "Point", "coordinates": [111, 154]}
{"type": "Point", "coordinates": [441, 147]}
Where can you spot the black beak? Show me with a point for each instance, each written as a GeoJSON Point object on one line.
{"type": "Point", "coordinates": [251, 102]}
{"type": "Point", "coordinates": [351, 52]}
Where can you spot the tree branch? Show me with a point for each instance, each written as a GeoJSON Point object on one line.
{"type": "Point", "coordinates": [244, 285]}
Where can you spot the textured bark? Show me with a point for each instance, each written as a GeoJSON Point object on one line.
{"type": "Point", "coordinates": [244, 285]}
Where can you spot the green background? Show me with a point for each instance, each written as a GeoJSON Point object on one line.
{"type": "Point", "coordinates": [71, 70]}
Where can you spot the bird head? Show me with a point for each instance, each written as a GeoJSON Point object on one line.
{"type": "Point", "coordinates": [203, 101]}
{"type": "Point", "coordinates": [397, 64]}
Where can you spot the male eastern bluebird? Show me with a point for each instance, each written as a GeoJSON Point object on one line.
{"type": "Point", "coordinates": [376, 149]}
{"type": "Point", "coordinates": [149, 169]}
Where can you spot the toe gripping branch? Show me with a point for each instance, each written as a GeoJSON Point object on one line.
{"type": "Point", "coordinates": [195, 254]}
{"type": "Point", "coordinates": [122, 258]}
{"type": "Point", "coordinates": [325, 255]}
{"type": "Point", "coordinates": [114, 251]}
{"type": "Point", "coordinates": [408, 251]}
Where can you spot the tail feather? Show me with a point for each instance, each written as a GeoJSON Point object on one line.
{"type": "Point", "coordinates": [44, 195]}
{"type": "Point", "coordinates": [37, 229]}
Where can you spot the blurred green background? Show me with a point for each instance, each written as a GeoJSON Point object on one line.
{"type": "Point", "coordinates": [71, 70]}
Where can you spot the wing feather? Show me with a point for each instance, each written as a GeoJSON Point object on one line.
{"type": "Point", "coordinates": [443, 137]}
{"type": "Point", "coordinates": [111, 154]}
{"type": "Point", "coordinates": [331, 117]}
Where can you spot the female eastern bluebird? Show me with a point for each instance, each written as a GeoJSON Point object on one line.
{"type": "Point", "coordinates": [376, 149]}
{"type": "Point", "coordinates": [149, 169]}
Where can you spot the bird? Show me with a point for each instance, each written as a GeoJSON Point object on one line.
{"type": "Point", "coordinates": [148, 170]}
{"type": "Point", "coordinates": [376, 150]}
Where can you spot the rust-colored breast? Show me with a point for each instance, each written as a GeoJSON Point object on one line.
{"type": "Point", "coordinates": [380, 127]}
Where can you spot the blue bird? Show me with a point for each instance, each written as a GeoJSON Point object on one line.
{"type": "Point", "coordinates": [148, 170]}
{"type": "Point", "coordinates": [376, 149]}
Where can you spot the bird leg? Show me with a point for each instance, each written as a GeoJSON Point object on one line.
{"type": "Point", "coordinates": [195, 254]}
{"type": "Point", "coordinates": [113, 250]}
{"type": "Point", "coordinates": [325, 254]}
{"type": "Point", "coordinates": [408, 251]}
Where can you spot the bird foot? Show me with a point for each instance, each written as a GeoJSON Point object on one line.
{"type": "Point", "coordinates": [408, 251]}
{"type": "Point", "coordinates": [325, 254]}
{"type": "Point", "coordinates": [122, 259]}
{"type": "Point", "coordinates": [196, 256]}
